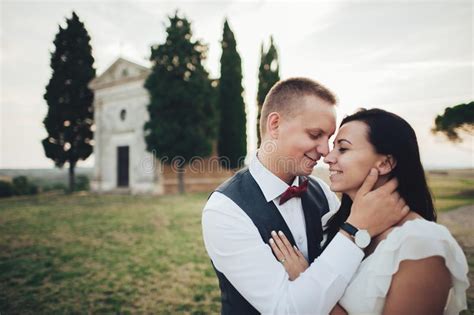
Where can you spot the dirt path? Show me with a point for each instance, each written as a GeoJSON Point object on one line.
{"type": "Point", "coordinates": [461, 224]}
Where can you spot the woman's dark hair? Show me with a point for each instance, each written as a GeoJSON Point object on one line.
{"type": "Point", "coordinates": [392, 135]}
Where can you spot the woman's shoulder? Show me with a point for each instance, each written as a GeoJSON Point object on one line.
{"type": "Point", "coordinates": [416, 236]}
{"type": "Point", "coordinates": [417, 239]}
{"type": "Point", "coordinates": [414, 227]}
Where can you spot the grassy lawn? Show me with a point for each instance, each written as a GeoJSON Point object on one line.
{"type": "Point", "coordinates": [122, 254]}
{"type": "Point", "coordinates": [452, 189]}
{"type": "Point", "coordinates": [104, 254]}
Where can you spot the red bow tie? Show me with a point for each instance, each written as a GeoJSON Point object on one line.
{"type": "Point", "coordinates": [294, 191]}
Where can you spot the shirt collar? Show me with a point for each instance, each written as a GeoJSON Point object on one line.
{"type": "Point", "coordinates": [270, 184]}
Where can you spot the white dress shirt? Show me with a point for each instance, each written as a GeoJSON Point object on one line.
{"type": "Point", "coordinates": [237, 250]}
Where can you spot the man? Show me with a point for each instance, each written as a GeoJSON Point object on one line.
{"type": "Point", "coordinates": [298, 118]}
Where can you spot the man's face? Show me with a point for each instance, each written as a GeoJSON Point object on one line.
{"type": "Point", "coordinates": [303, 138]}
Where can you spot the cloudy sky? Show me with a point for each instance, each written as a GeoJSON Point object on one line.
{"type": "Point", "coordinates": [411, 57]}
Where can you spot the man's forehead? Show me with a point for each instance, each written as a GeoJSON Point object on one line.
{"type": "Point", "coordinates": [314, 115]}
{"type": "Point", "coordinates": [315, 111]}
{"type": "Point", "coordinates": [325, 122]}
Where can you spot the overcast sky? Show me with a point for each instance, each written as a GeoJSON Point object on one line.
{"type": "Point", "coordinates": [411, 57]}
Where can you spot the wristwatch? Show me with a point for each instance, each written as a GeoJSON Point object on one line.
{"type": "Point", "coordinates": [361, 237]}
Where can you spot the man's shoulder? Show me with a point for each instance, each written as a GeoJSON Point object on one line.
{"type": "Point", "coordinates": [230, 197]}
{"type": "Point", "coordinates": [218, 197]}
{"type": "Point", "coordinates": [221, 212]}
{"type": "Point", "coordinates": [218, 201]}
{"type": "Point", "coordinates": [232, 181]}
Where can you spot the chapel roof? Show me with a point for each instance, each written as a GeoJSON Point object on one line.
{"type": "Point", "coordinates": [121, 71]}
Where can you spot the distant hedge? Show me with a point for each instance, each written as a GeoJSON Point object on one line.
{"type": "Point", "coordinates": [82, 183]}
{"type": "Point", "coordinates": [19, 186]}
{"type": "Point", "coordinates": [6, 189]}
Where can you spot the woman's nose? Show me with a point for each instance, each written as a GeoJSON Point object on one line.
{"type": "Point", "coordinates": [329, 159]}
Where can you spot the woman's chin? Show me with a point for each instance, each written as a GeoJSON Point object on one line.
{"type": "Point", "coordinates": [338, 189]}
{"type": "Point", "coordinates": [334, 187]}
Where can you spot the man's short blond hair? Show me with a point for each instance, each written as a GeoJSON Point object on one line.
{"type": "Point", "coordinates": [283, 96]}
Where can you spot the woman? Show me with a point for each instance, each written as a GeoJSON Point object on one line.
{"type": "Point", "coordinates": [415, 267]}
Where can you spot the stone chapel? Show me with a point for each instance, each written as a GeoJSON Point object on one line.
{"type": "Point", "coordinates": [122, 163]}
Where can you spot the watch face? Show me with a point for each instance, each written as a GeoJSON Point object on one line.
{"type": "Point", "coordinates": [362, 238]}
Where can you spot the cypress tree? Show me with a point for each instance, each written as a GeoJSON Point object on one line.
{"type": "Point", "coordinates": [182, 116]}
{"type": "Point", "coordinates": [232, 141]}
{"type": "Point", "coordinates": [268, 75]}
{"type": "Point", "coordinates": [70, 101]}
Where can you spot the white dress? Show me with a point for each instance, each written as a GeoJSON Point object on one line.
{"type": "Point", "coordinates": [415, 239]}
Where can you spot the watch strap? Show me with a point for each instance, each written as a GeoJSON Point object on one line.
{"type": "Point", "coordinates": [349, 228]}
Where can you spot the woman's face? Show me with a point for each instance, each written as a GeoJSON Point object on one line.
{"type": "Point", "coordinates": [351, 158]}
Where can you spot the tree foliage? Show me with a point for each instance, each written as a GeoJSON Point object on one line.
{"type": "Point", "coordinates": [456, 119]}
{"type": "Point", "coordinates": [70, 101]}
{"type": "Point", "coordinates": [182, 116]}
{"type": "Point", "coordinates": [232, 142]}
{"type": "Point", "coordinates": [268, 75]}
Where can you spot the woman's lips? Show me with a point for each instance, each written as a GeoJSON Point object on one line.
{"type": "Point", "coordinates": [333, 174]}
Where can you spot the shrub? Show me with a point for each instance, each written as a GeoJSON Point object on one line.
{"type": "Point", "coordinates": [21, 186]}
{"type": "Point", "coordinates": [82, 183]}
{"type": "Point", "coordinates": [55, 186]}
{"type": "Point", "coordinates": [6, 189]}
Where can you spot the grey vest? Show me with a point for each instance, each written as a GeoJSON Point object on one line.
{"type": "Point", "coordinates": [245, 192]}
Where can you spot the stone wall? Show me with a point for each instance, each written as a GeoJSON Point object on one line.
{"type": "Point", "coordinates": [202, 175]}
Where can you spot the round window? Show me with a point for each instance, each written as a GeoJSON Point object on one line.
{"type": "Point", "coordinates": [123, 114]}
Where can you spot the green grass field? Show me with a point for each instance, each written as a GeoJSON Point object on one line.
{"type": "Point", "coordinates": [104, 254]}
{"type": "Point", "coordinates": [120, 254]}
{"type": "Point", "coordinates": [452, 189]}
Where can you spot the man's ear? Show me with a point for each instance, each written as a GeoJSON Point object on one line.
{"type": "Point", "coordinates": [386, 164]}
{"type": "Point", "coordinates": [273, 124]}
